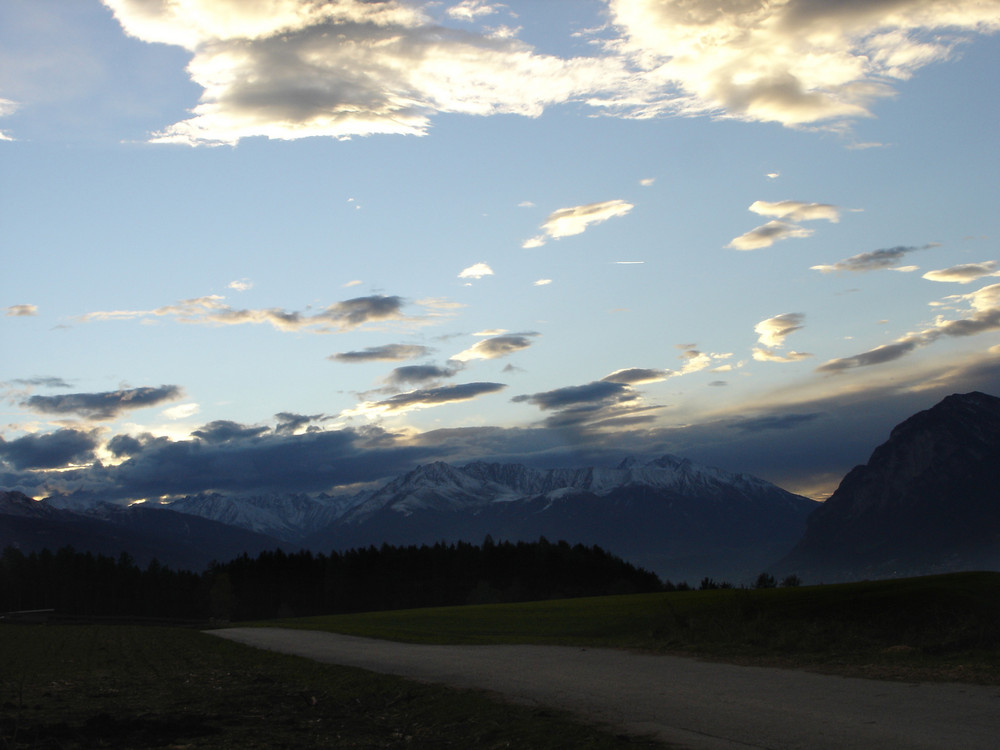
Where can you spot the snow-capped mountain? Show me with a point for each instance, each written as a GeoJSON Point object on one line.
{"type": "Point", "coordinates": [287, 517]}
{"type": "Point", "coordinates": [669, 515]}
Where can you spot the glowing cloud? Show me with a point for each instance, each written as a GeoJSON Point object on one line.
{"type": "Point", "coordinates": [476, 271]}
{"type": "Point", "coordinates": [772, 333]}
{"type": "Point", "coordinates": [794, 62]}
{"type": "Point", "coordinates": [797, 210]}
{"type": "Point", "coordinates": [567, 222]}
{"type": "Point", "coordinates": [498, 346]}
{"type": "Point", "coordinates": [965, 273]}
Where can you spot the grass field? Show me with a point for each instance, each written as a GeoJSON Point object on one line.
{"type": "Point", "coordinates": [78, 687]}
{"type": "Point", "coordinates": [940, 627]}
{"type": "Point", "coordinates": [82, 687]}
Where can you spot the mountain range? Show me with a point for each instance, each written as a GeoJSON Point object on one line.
{"type": "Point", "coordinates": [928, 500]}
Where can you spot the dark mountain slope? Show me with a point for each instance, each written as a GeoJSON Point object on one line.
{"type": "Point", "coordinates": [928, 500]}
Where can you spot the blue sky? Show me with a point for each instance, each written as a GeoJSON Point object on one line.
{"type": "Point", "coordinates": [302, 245]}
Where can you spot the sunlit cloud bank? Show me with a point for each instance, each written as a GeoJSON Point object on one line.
{"type": "Point", "coordinates": [292, 69]}
{"type": "Point", "coordinates": [298, 68]}
{"type": "Point", "coordinates": [212, 310]}
{"type": "Point", "coordinates": [795, 62]}
{"type": "Point", "coordinates": [567, 222]}
{"type": "Point", "coordinates": [982, 314]}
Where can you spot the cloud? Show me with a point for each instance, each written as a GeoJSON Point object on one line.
{"type": "Point", "coordinates": [873, 261]}
{"type": "Point", "coordinates": [965, 273]}
{"type": "Point", "coordinates": [599, 392]}
{"type": "Point", "coordinates": [470, 10]}
{"type": "Point", "coordinates": [424, 398]}
{"type": "Point", "coordinates": [47, 382]}
{"type": "Point", "coordinates": [567, 222]}
{"type": "Point", "coordinates": [497, 346]}
{"type": "Point", "coordinates": [476, 271]}
{"type": "Point", "coordinates": [797, 210]}
{"type": "Point", "coordinates": [767, 234]}
{"type": "Point", "coordinates": [696, 360]}
{"type": "Point", "coordinates": [241, 285]}
{"type": "Point", "coordinates": [21, 311]}
{"type": "Point", "coordinates": [983, 315]}
{"type": "Point", "coordinates": [772, 333]}
{"type": "Point", "coordinates": [542, 282]}
{"type": "Point", "coordinates": [286, 70]}
{"type": "Point", "coordinates": [101, 406]}
{"type": "Point", "coordinates": [181, 411]}
{"type": "Point", "coordinates": [386, 353]}
{"type": "Point", "coordinates": [796, 62]}
{"type": "Point", "coordinates": [418, 374]}
{"type": "Point", "coordinates": [211, 310]}
{"type": "Point", "coordinates": [636, 376]}
{"type": "Point", "coordinates": [775, 422]}
{"type": "Point", "coordinates": [49, 451]}
{"type": "Point", "coordinates": [224, 431]}
{"type": "Point", "coordinates": [289, 423]}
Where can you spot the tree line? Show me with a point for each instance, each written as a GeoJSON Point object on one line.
{"type": "Point", "coordinates": [281, 584]}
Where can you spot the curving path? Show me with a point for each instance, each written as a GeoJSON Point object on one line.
{"type": "Point", "coordinates": [687, 702]}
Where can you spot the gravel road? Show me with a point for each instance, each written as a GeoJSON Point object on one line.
{"type": "Point", "coordinates": [691, 703]}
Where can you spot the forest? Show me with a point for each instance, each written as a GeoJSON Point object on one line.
{"type": "Point", "coordinates": [280, 584]}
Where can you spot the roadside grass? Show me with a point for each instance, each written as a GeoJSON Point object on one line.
{"type": "Point", "coordinates": [81, 687]}
{"type": "Point", "coordinates": [944, 627]}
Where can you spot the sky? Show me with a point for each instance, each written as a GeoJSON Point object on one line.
{"type": "Point", "coordinates": [255, 246]}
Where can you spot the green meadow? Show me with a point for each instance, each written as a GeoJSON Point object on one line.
{"type": "Point", "coordinates": [130, 686]}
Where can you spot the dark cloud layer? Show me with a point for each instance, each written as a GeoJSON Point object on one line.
{"type": "Point", "coordinates": [48, 451]}
{"type": "Point", "coordinates": [107, 405]}
{"type": "Point", "coordinates": [413, 374]}
{"type": "Point", "coordinates": [224, 431]}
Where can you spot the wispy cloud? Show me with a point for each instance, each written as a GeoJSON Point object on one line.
{"type": "Point", "coordinates": [21, 311]}
{"type": "Point", "coordinates": [875, 260]}
{"type": "Point", "coordinates": [797, 210]}
{"type": "Point", "coordinates": [567, 222]}
{"type": "Point", "coordinates": [385, 353]}
{"type": "Point", "coordinates": [241, 285]}
{"type": "Point", "coordinates": [965, 273]}
{"type": "Point", "coordinates": [212, 310]}
{"type": "Point", "coordinates": [103, 406]}
{"type": "Point", "coordinates": [424, 398]}
{"type": "Point", "coordinates": [767, 234]}
{"type": "Point", "coordinates": [982, 314]}
{"type": "Point", "coordinates": [181, 411]}
{"type": "Point", "coordinates": [470, 10]}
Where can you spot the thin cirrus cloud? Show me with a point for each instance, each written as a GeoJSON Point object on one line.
{"type": "Point", "coordinates": [212, 310]}
{"type": "Point", "coordinates": [385, 353]}
{"type": "Point", "coordinates": [103, 406]}
{"type": "Point", "coordinates": [495, 347]}
{"type": "Point", "coordinates": [567, 222]}
{"type": "Point", "coordinates": [964, 273]}
{"type": "Point", "coordinates": [772, 333]}
{"type": "Point", "coordinates": [982, 314]}
{"type": "Point", "coordinates": [885, 258]}
{"type": "Point", "coordinates": [798, 62]}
